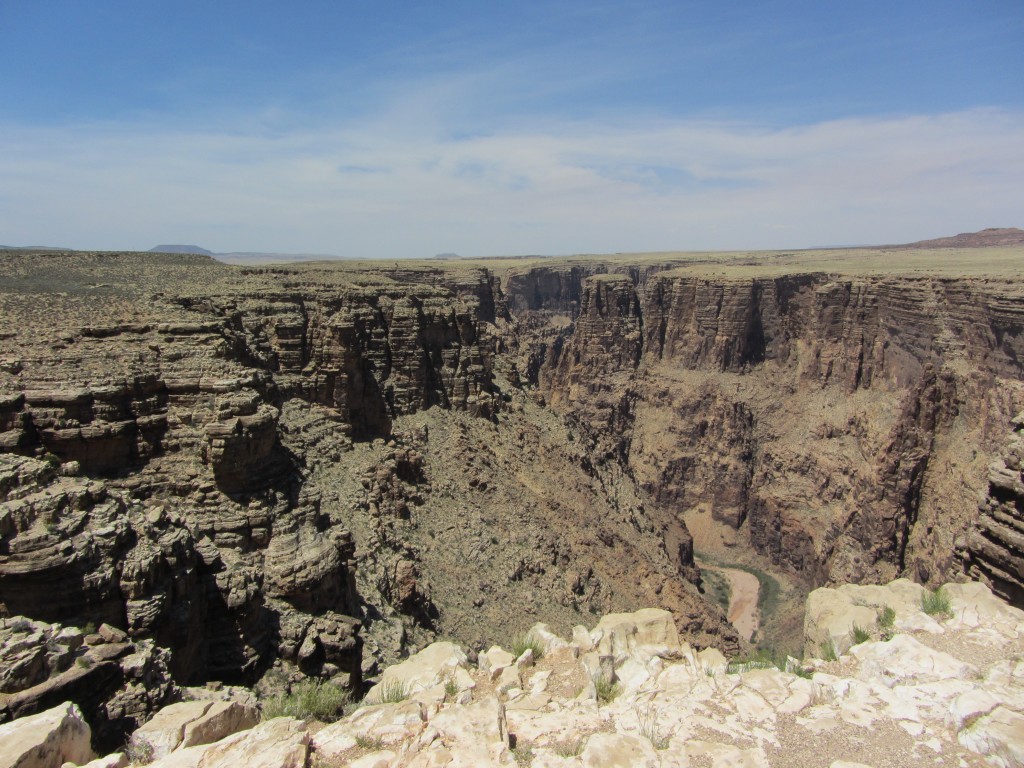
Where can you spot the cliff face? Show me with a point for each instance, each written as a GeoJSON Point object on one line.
{"type": "Point", "coordinates": [324, 468]}
{"type": "Point", "coordinates": [841, 424]}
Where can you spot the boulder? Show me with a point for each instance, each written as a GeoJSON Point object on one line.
{"type": "Point", "coordinates": [999, 736]}
{"type": "Point", "coordinates": [391, 723]}
{"type": "Point", "coordinates": [907, 660]}
{"type": "Point", "coordinates": [432, 666]}
{"type": "Point", "coordinates": [643, 634]}
{"type": "Point", "coordinates": [279, 743]}
{"type": "Point", "coordinates": [190, 723]}
{"type": "Point", "coordinates": [46, 740]}
{"type": "Point", "coordinates": [476, 734]}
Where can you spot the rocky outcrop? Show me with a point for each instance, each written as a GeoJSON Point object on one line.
{"type": "Point", "coordinates": [995, 546]}
{"type": "Point", "coordinates": [316, 469]}
{"type": "Point", "coordinates": [117, 684]}
{"type": "Point", "coordinates": [46, 740]}
{"type": "Point", "coordinates": [944, 690]}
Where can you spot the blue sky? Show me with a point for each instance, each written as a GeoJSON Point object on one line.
{"type": "Point", "coordinates": [407, 129]}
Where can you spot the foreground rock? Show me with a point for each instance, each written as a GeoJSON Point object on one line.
{"type": "Point", "coordinates": [46, 740]}
{"type": "Point", "coordinates": [944, 690]}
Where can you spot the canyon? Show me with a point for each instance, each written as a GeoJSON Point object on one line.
{"type": "Point", "coordinates": [263, 475]}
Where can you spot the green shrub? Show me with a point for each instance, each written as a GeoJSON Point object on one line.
{"type": "Point", "coordinates": [527, 642]}
{"type": "Point", "coordinates": [828, 651]}
{"type": "Point", "coordinates": [936, 603]}
{"type": "Point", "coordinates": [451, 689]}
{"type": "Point", "coordinates": [859, 635]}
{"type": "Point", "coordinates": [369, 743]}
{"type": "Point", "coordinates": [392, 692]}
{"type": "Point", "coordinates": [138, 752]}
{"type": "Point", "coordinates": [308, 700]}
{"type": "Point", "coordinates": [886, 618]}
{"type": "Point", "coordinates": [606, 689]}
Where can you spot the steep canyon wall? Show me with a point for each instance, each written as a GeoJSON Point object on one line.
{"type": "Point", "coordinates": [317, 469]}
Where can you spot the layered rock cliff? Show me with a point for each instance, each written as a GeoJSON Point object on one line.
{"type": "Point", "coordinates": [317, 469]}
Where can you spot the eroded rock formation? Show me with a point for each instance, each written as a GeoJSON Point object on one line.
{"type": "Point", "coordinates": [316, 468]}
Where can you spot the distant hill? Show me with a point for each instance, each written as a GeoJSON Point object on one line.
{"type": "Point", "coordinates": [985, 238]}
{"type": "Point", "coordinates": [181, 249]}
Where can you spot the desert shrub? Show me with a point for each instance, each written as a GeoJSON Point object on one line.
{"type": "Point", "coordinates": [451, 689]}
{"type": "Point", "coordinates": [527, 642]}
{"type": "Point", "coordinates": [648, 719]}
{"type": "Point", "coordinates": [393, 692]}
{"type": "Point", "coordinates": [523, 753]}
{"type": "Point", "coordinates": [859, 635]}
{"type": "Point", "coordinates": [308, 700]}
{"type": "Point", "coordinates": [886, 617]}
{"type": "Point", "coordinates": [936, 603]}
{"type": "Point", "coordinates": [138, 752]}
{"type": "Point", "coordinates": [606, 689]}
{"type": "Point", "coordinates": [369, 743]}
{"type": "Point", "coordinates": [828, 651]}
{"type": "Point", "coordinates": [572, 748]}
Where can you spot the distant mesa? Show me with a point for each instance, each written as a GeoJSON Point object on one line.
{"type": "Point", "coordinates": [181, 249]}
{"type": "Point", "coordinates": [447, 256]}
{"type": "Point", "coordinates": [992, 237]}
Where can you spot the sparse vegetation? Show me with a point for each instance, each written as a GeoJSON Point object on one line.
{"type": "Point", "coordinates": [392, 692]}
{"type": "Point", "coordinates": [828, 651]}
{"type": "Point", "coordinates": [523, 753]}
{"type": "Point", "coordinates": [138, 752]}
{"type": "Point", "coordinates": [648, 719]}
{"type": "Point", "coordinates": [308, 700]}
{"type": "Point", "coordinates": [85, 662]}
{"type": "Point", "coordinates": [527, 642]}
{"type": "Point", "coordinates": [886, 620]}
{"type": "Point", "coordinates": [936, 603]}
{"type": "Point", "coordinates": [716, 587]}
{"type": "Point", "coordinates": [570, 748]}
{"type": "Point", "coordinates": [606, 689]}
{"type": "Point", "coordinates": [370, 744]}
{"type": "Point", "coordinates": [451, 689]}
{"type": "Point", "coordinates": [859, 635]}
{"type": "Point", "coordinates": [89, 628]}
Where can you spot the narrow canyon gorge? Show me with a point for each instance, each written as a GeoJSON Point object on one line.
{"type": "Point", "coordinates": [316, 470]}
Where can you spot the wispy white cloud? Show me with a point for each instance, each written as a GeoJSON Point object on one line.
{"type": "Point", "coordinates": [405, 182]}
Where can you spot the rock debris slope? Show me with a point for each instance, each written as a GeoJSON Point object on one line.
{"type": "Point", "coordinates": [315, 470]}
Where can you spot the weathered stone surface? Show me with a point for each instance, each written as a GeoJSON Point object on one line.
{"type": "Point", "coordinates": [46, 740]}
{"type": "Point", "coordinates": [190, 723]}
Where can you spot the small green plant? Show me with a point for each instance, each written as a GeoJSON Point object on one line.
{"type": "Point", "coordinates": [606, 689]}
{"type": "Point", "coordinates": [138, 752]}
{"type": "Point", "coordinates": [369, 743]}
{"type": "Point", "coordinates": [85, 662]}
{"type": "Point", "coordinates": [89, 628]}
{"type": "Point", "coordinates": [648, 719]}
{"type": "Point", "coordinates": [451, 690]}
{"type": "Point", "coordinates": [886, 621]}
{"type": "Point", "coordinates": [523, 753]}
{"type": "Point", "coordinates": [308, 700]}
{"type": "Point", "coordinates": [527, 642]}
{"type": "Point", "coordinates": [859, 635]}
{"type": "Point", "coordinates": [828, 651]}
{"type": "Point", "coordinates": [571, 748]}
{"type": "Point", "coordinates": [936, 603]}
{"type": "Point", "coordinates": [886, 617]}
{"type": "Point", "coordinates": [392, 692]}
